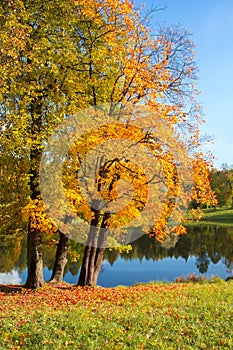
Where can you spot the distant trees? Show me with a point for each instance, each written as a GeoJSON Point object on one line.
{"type": "Point", "coordinates": [222, 184]}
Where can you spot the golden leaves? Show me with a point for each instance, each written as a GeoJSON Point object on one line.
{"type": "Point", "coordinates": [35, 213]}
{"type": "Point", "coordinates": [202, 192]}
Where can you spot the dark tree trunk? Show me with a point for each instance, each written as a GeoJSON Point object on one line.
{"type": "Point", "coordinates": [93, 254]}
{"type": "Point", "coordinates": [102, 242]}
{"type": "Point", "coordinates": [34, 242]}
{"type": "Point", "coordinates": [98, 264]}
{"type": "Point", "coordinates": [91, 267]}
{"type": "Point", "coordinates": [60, 260]}
{"type": "Point", "coordinates": [97, 239]}
{"type": "Point", "coordinates": [84, 267]}
{"type": "Point", "coordinates": [87, 267]}
{"type": "Point", "coordinates": [34, 260]}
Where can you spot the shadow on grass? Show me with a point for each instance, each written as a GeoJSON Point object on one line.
{"type": "Point", "coordinates": [11, 289]}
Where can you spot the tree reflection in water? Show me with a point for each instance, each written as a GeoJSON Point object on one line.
{"type": "Point", "coordinates": [209, 244]}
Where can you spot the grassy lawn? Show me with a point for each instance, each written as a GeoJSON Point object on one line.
{"type": "Point", "coordinates": [221, 215]}
{"type": "Point", "coordinates": [156, 316]}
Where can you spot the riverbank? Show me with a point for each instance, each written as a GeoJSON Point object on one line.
{"type": "Point", "coordinates": [153, 316]}
{"type": "Point", "coordinates": [223, 215]}
{"type": "Point", "coordinates": [215, 216]}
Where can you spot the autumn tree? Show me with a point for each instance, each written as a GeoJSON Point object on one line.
{"type": "Point", "coordinates": [38, 79]}
{"type": "Point", "coordinates": [222, 184]}
{"type": "Point", "coordinates": [58, 58]}
{"type": "Point", "coordinates": [144, 70]}
{"type": "Point", "coordinates": [203, 193]}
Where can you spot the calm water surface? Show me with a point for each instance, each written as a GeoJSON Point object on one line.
{"type": "Point", "coordinates": [204, 250]}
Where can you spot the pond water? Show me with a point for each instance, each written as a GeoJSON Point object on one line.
{"type": "Point", "coordinates": [204, 250]}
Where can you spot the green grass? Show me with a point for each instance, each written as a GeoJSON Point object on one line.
{"type": "Point", "coordinates": [161, 316]}
{"type": "Point", "coordinates": [219, 215]}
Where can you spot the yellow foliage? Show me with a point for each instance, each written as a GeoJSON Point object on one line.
{"type": "Point", "coordinates": [35, 213]}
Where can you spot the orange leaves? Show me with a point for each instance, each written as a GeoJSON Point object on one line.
{"type": "Point", "coordinates": [108, 181]}
{"type": "Point", "coordinates": [202, 190]}
{"type": "Point", "coordinates": [119, 177]}
{"type": "Point", "coordinates": [63, 295]}
{"type": "Point", "coordinates": [108, 176]}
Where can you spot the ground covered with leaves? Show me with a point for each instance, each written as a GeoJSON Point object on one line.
{"type": "Point", "coordinates": [154, 316]}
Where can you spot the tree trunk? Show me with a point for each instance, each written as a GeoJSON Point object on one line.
{"type": "Point", "coordinates": [93, 254]}
{"type": "Point", "coordinates": [91, 267]}
{"type": "Point", "coordinates": [87, 267]}
{"type": "Point", "coordinates": [34, 242]}
{"type": "Point", "coordinates": [34, 260]}
{"type": "Point", "coordinates": [98, 264]}
{"type": "Point", "coordinates": [60, 260]}
{"type": "Point", "coordinates": [34, 249]}
{"type": "Point", "coordinates": [94, 251]}
{"type": "Point", "coordinates": [84, 267]}
{"type": "Point", "coordinates": [102, 242]}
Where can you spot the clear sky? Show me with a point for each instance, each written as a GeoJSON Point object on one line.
{"type": "Point", "coordinates": [211, 22]}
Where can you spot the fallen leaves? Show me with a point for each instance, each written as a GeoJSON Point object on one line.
{"type": "Point", "coordinates": [63, 295]}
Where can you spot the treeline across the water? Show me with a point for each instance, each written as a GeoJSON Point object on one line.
{"type": "Point", "coordinates": [222, 184]}
{"type": "Point", "coordinates": [206, 243]}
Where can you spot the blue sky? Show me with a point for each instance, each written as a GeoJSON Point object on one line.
{"type": "Point", "coordinates": [211, 22]}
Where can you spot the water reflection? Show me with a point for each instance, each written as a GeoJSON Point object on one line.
{"type": "Point", "coordinates": [10, 278]}
{"type": "Point", "coordinates": [205, 249]}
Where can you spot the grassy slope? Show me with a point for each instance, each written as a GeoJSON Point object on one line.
{"type": "Point", "coordinates": [160, 316]}
{"type": "Point", "coordinates": [219, 214]}
{"type": "Point", "coordinates": [215, 216]}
